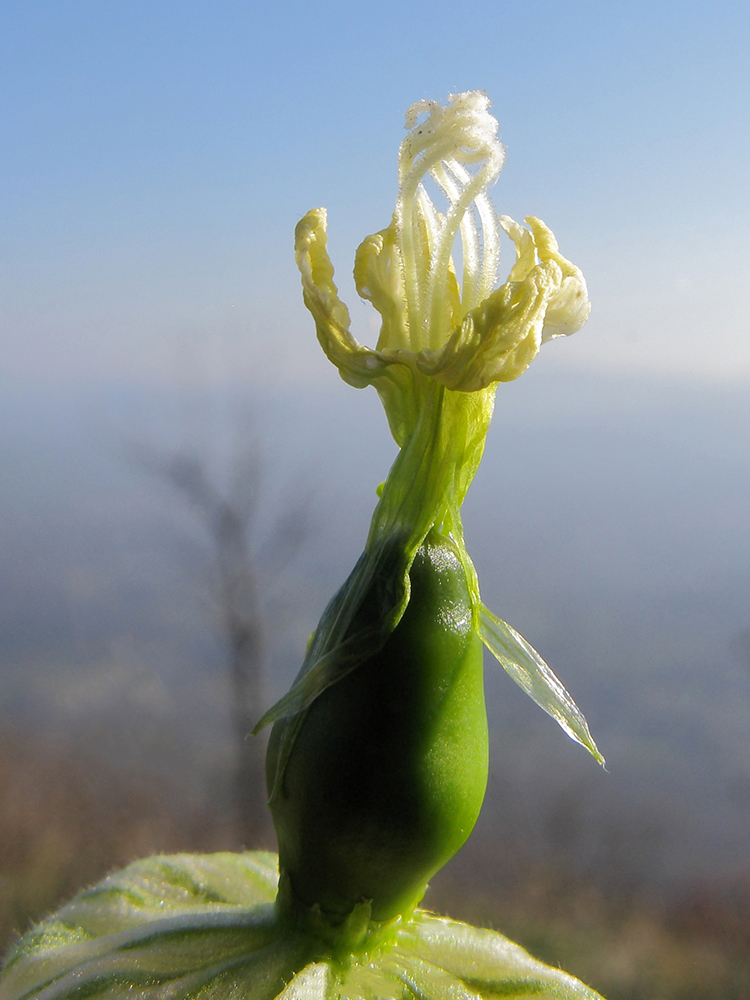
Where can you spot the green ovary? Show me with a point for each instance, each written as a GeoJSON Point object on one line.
{"type": "Point", "coordinates": [389, 769]}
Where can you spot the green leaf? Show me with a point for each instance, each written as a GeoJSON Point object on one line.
{"type": "Point", "coordinates": [203, 927]}
{"type": "Point", "coordinates": [445, 958]}
{"type": "Point", "coordinates": [533, 675]}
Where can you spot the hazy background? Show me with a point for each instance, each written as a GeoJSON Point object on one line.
{"type": "Point", "coordinates": [155, 158]}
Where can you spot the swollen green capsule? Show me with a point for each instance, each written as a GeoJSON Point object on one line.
{"type": "Point", "coordinates": [389, 768]}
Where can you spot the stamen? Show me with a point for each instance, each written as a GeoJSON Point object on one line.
{"type": "Point", "coordinates": [440, 262]}
{"type": "Point", "coordinates": [441, 146]}
{"type": "Point", "coordinates": [449, 185]}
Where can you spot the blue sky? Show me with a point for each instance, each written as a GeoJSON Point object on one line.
{"type": "Point", "coordinates": [156, 156]}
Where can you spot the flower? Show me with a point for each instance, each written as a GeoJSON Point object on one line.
{"type": "Point", "coordinates": [465, 336]}
{"type": "Point", "coordinates": [444, 346]}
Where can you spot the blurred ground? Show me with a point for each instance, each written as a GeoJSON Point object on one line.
{"type": "Point", "coordinates": [68, 819]}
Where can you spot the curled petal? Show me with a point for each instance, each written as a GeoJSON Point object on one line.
{"type": "Point", "coordinates": [358, 365]}
{"type": "Point", "coordinates": [545, 296]}
{"type": "Point", "coordinates": [525, 247]}
{"type": "Point", "coordinates": [495, 343]}
{"type": "Point", "coordinates": [379, 277]}
{"type": "Point", "coordinates": [569, 307]}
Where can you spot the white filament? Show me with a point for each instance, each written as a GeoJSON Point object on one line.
{"type": "Point", "coordinates": [451, 139]}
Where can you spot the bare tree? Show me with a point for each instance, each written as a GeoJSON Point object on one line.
{"type": "Point", "coordinates": [227, 515]}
